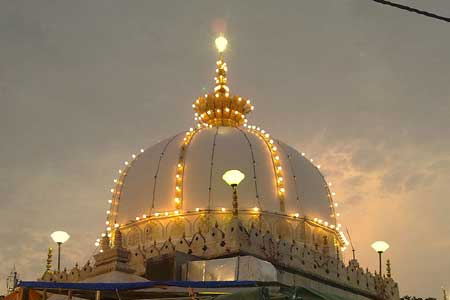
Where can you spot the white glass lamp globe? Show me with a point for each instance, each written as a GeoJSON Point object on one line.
{"type": "Point", "coordinates": [221, 43]}
{"type": "Point", "coordinates": [233, 177]}
{"type": "Point", "coordinates": [60, 237]}
{"type": "Point", "coordinates": [380, 246]}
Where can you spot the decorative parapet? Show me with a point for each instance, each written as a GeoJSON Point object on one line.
{"type": "Point", "coordinates": [309, 255]}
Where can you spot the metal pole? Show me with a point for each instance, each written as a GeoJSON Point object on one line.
{"type": "Point", "coordinates": [379, 255]}
{"type": "Point", "coordinates": [235, 200]}
{"type": "Point", "coordinates": [59, 257]}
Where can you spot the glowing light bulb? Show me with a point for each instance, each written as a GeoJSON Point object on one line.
{"type": "Point", "coordinates": [166, 213]}
{"type": "Point", "coordinates": [197, 209]}
{"type": "Point", "coordinates": [223, 209]}
{"type": "Point", "coordinates": [255, 209]}
{"type": "Point", "coordinates": [221, 43]}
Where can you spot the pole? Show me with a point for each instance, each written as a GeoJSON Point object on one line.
{"type": "Point", "coordinates": [379, 255]}
{"type": "Point", "coordinates": [59, 257]}
{"type": "Point", "coordinates": [235, 199]}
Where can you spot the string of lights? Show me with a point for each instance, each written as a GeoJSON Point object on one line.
{"type": "Point", "coordinates": [413, 10]}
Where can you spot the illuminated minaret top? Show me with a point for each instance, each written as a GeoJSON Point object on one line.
{"type": "Point", "coordinates": [220, 108]}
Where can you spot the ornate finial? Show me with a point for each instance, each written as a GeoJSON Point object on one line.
{"type": "Point", "coordinates": [388, 268]}
{"type": "Point", "coordinates": [118, 241]}
{"type": "Point", "coordinates": [219, 108]}
{"type": "Point", "coordinates": [104, 243]}
{"type": "Point", "coordinates": [49, 260]}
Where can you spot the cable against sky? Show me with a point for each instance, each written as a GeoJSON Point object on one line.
{"type": "Point", "coordinates": [414, 10]}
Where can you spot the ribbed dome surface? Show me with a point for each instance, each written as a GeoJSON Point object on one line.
{"type": "Point", "coordinates": [149, 184]}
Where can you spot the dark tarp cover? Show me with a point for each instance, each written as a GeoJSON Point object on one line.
{"type": "Point", "coordinates": [133, 285]}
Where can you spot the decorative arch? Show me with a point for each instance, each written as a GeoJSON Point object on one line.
{"type": "Point", "coordinates": [153, 231]}
{"type": "Point", "coordinates": [133, 238]}
{"type": "Point", "coordinates": [283, 230]}
{"type": "Point", "coordinates": [176, 228]}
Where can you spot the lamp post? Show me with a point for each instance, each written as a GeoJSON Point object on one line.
{"type": "Point", "coordinates": [233, 178]}
{"type": "Point", "coordinates": [60, 237]}
{"type": "Point", "coordinates": [380, 247]}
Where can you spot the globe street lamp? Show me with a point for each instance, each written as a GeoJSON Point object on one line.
{"type": "Point", "coordinates": [233, 178]}
{"type": "Point", "coordinates": [380, 247]}
{"type": "Point", "coordinates": [60, 237]}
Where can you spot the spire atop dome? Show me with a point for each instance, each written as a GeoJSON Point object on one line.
{"type": "Point", "coordinates": [220, 108]}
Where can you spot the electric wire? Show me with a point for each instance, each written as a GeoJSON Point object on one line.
{"type": "Point", "coordinates": [413, 10]}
